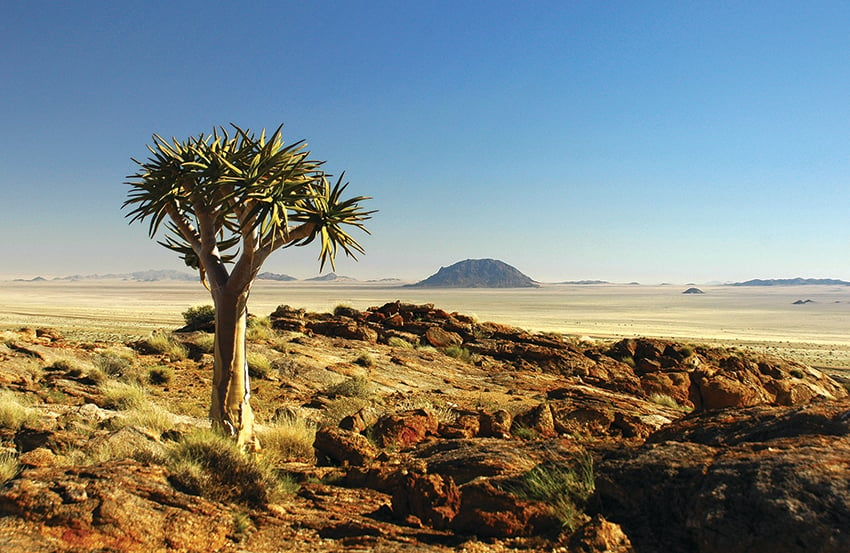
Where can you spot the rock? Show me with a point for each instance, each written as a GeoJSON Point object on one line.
{"type": "Point", "coordinates": [344, 447]}
{"type": "Point", "coordinates": [348, 329]}
{"type": "Point", "coordinates": [434, 500]}
{"type": "Point", "coordinates": [440, 338]}
{"type": "Point", "coordinates": [406, 428]}
{"type": "Point", "coordinates": [496, 424]}
{"type": "Point", "coordinates": [39, 457]}
{"type": "Point", "coordinates": [488, 511]}
{"type": "Point", "coordinates": [539, 420]}
{"type": "Point", "coordinates": [600, 536]}
{"type": "Point", "coordinates": [359, 421]}
{"type": "Point", "coordinates": [117, 506]}
{"type": "Point", "coordinates": [750, 479]}
{"type": "Point", "coordinates": [466, 425]}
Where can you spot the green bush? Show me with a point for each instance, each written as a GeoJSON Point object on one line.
{"type": "Point", "coordinates": [123, 396]}
{"type": "Point", "coordinates": [205, 342]}
{"type": "Point", "coordinates": [199, 316]}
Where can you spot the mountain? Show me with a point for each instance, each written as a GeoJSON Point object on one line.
{"type": "Point", "coordinates": [275, 276]}
{"type": "Point", "coordinates": [150, 275]}
{"type": "Point", "coordinates": [331, 277]}
{"type": "Point", "coordinates": [477, 273]}
{"type": "Point", "coordinates": [792, 282]}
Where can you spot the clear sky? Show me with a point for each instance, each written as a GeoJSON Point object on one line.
{"type": "Point", "coordinates": [627, 141]}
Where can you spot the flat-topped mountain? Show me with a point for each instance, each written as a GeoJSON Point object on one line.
{"type": "Point", "coordinates": [792, 282]}
{"type": "Point", "coordinates": [478, 273]}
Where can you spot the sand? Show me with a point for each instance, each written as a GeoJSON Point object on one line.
{"type": "Point", "coordinates": [763, 318]}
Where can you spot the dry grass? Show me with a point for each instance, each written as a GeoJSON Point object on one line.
{"type": "Point", "coordinates": [14, 412]}
{"type": "Point", "coordinates": [9, 467]}
{"type": "Point", "coordinates": [288, 439]}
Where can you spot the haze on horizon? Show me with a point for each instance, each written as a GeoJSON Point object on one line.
{"type": "Point", "coordinates": [650, 142]}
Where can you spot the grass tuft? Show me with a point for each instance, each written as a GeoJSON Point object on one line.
{"type": "Point", "coordinates": [9, 467]}
{"type": "Point", "coordinates": [165, 344]}
{"type": "Point", "coordinates": [259, 366]}
{"type": "Point", "coordinates": [564, 488]}
{"type": "Point", "coordinates": [14, 413]}
{"type": "Point", "coordinates": [289, 439]}
{"type": "Point", "coordinates": [123, 396]}
{"type": "Point", "coordinates": [397, 342]}
{"type": "Point", "coordinates": [211, 465]}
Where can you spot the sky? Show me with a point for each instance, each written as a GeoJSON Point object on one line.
{"type": "Point", "coordinates": [624, 141]}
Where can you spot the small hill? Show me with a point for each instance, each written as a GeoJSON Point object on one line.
{"type": "Point", "coordinates": [693, 290]}
{"type": "Point", "coordinates": [792, 282]}
{"type": "Point", "coordinates": [331, 277]}
{"type": "Point", "coordinates": [477, 273]}
{"type": "Point", "coordinates": [275, 276]}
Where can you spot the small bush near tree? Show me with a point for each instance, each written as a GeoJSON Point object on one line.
{"type": "Point", "coordinates": [354, 386]}
{"type": "Point", "coordinates": [199, 316]}
{"type": "Point", "coordinates": [209, 464]}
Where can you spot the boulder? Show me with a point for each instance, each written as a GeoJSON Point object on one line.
{"type": "Point", "coordinates": [116, 506]}
{"type": "Point", "coordinates": [539, 419]}
{"type": "Point", "coordinates": [344, 447]}
{"type": "Point", "coordinates": [440, 338]}
{"type": "Point", "coordinates": [757, 479]}
{"type": "Point", "coordinates": [487, 510]}
{"type": "Point", "coordinates": [432, 499]}
{"type": "Point", "coordinates": [405, 428]}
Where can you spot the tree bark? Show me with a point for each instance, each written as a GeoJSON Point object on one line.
{"type": "Point", "coordinates": [230, 410]}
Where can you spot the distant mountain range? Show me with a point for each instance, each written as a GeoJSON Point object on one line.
{"type": "Point", "coordinates": [151, 275]}
{"type": "Point", "coordinates": [331, 277]}
{"type": "Point", "coordinates": [477, 273]}
{"type": "Point", "coordinates": [275, 276]}
{"type": "Point", "coordinates": [792, 282]}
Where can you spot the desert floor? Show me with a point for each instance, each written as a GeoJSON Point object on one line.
{"type": "Point", "coordinates": [761, 318]}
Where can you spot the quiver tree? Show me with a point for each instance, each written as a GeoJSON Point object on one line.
{"type": "Point", "coordinates": [228, 202]}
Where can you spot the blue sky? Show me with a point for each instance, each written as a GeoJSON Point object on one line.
{"type": "Point", "coordinates": [625, 141]}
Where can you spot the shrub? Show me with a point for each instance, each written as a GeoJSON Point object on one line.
{"type": "Point", "coordinates": [460, 353]}
{"type": "Point", "coordinates": [14, 413]}
{"type": "Point", "coordinates": [211, 465]}
{"type": "Point", "coordinates": [289, 439]}
{"type": "Point", "coordinates": [9, 467]}
{"type": "Point", "coordinates": [147, 415]}
{"type": "Point", "coordinates": [160, 375]}
{"type": "Point", "coordinates": [365, 360]}
{"type": "Point", "coordinates": [565, 488]}
{"type": "Point", "coordinates": [396, 342]}
{"type": "Point", "coordinates": [354, 386]}
{"type": "Point", "coordinates": [113, 363]}
{"type": "Point", "coordinates": [666, 401]}
{"type": "Point", "coordinates": [165, 344]}
{"type": "Point", "coordinates": [123, 396]}
{"type": "Point", "coordinates": [205, 342]}
{"type": "Point", "coordinates": [199, 316]}
{"type": "Point", "coordinates": [260, 329]}
{"type": "Point", "coordinates": [259, 365]}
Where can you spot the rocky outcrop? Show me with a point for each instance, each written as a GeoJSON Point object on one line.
{"type": "Point", "coordinates": [118, 506]}
{"type": "Point", "coordinates": [752, 479]}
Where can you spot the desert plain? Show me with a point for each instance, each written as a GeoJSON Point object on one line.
{"type": "Point", "coordinates": [768, 319]}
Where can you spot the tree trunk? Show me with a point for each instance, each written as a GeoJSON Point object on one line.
{"type": "Point", "coordinates": [230, 410]}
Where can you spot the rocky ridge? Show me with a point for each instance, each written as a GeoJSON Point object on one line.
{"type": "Point", "coordinates": [692, 448]}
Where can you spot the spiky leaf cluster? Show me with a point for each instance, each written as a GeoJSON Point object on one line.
{"type": "Point", "coordinates": [219, 192]}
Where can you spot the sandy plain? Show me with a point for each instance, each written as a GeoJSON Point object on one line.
{"type": "Point", "coordinates": [760, 318]}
